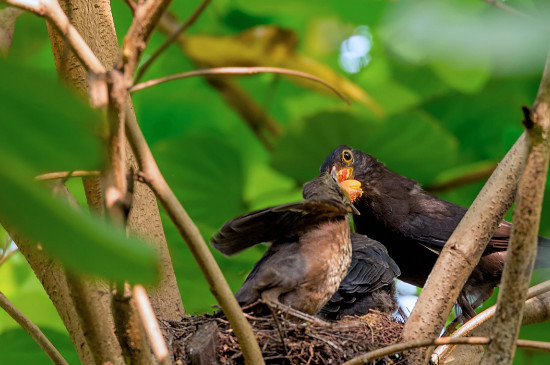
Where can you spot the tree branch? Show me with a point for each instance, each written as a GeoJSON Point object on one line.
{"type": "Point", "coordinates": [32, 330]}
{"type": "Point", "coordinates": [237, 71]}
{"type": "Point", "coordinates": [151, 325]}
{"type": "Point", "coordinates": [462, 180]}
{"type": "Point", "coordinates": [477, 325]}
{"type": "Point", "coordinates": [254, 115]}
{"type": "Point", "coordinates": [190, 233]}
{"type": "Point", "coordinates": [146, 17]}
{"type": "Point", "coordinates": [522, 249]}
{"type": "Point", "coordinates": [465, 247]}
{"type": "Point", "coordinates": [175, 34]}
{"type": "Point", "coordinates": [51, 10]}
{"type": "Point", "coordinates": [403, 346]}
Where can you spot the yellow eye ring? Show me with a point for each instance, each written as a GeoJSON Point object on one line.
{"type": "Point", "coordinates": [347, 156]}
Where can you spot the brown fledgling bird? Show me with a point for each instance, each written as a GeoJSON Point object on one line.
{"type": "Point", "coordinates": [310, 248]}
{"type": "Point", "coordinates": [368, 284]}
{"type": "Point", "coordinates": [414, 225]}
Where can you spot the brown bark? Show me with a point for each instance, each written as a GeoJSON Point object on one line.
{"type": "Point", "coordinates": [129, 329]}
{"type": "Point", "coordinates": [522, 249]}
{"type": "Point", "coordinates": [94, 22]}
{"type": "Point", "coordinates": [53, 279]}
{"type": "Point", "coordinates": [8, 16]}
{"type": "Point", "coordinates": [465, 246]}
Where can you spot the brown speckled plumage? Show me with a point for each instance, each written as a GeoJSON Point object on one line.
{"type": "Point", "coordinates": [310, 251]}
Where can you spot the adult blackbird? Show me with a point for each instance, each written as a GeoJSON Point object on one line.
{"type": "Point", "coordinates": [368, 284]}
{"type": "Point", "coordinates": [415, 225]}
{"type": "Point", "coordinates": [310, 248]}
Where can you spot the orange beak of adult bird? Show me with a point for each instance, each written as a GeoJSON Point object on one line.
{"type": "Point", "coordinates": [351, 186]}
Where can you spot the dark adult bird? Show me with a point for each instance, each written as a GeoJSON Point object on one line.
{"type": "Point", "coordinates": [310, 248]}
{"type": "Point", "coordinates": [415, 225]}
{"type": "Point", "coordinates": [368, 284]}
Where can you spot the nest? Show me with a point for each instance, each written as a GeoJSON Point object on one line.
{"type": "Point", "coordinates": [285, 339]}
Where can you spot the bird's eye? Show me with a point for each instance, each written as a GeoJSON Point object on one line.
{"type": "Point", "coordinates": [347, 156]}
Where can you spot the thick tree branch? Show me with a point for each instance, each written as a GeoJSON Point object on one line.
{"type": "Point", "coordinates": [190, 233]}
{"type": "Point", "coordinates": [237, 71]}
{"type": "Point", "coordinates": [32, 330]}
{"type": "Point", "coordinates": [175, 34]}
{"type": "Point", "coordinates": [8, 16]}
{"type": "Point", "coordinates": [465, 246]}
{"type": "Point", "coordinates": [146, 17]}
{"type": "Point", "coordinates": [522, 248]}
{"type": "Point", "coordinates": [51, 10]}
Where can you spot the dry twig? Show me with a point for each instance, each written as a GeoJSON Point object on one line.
{"type": "Point", "coordinates": [237, 71]}
{"type": "Point", "coordinates": [182, 28]}
{"type": "Point", "coordinates": [32, 330]}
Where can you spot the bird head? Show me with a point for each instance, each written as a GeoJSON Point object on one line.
{"type": "Point", "coordinates": [340, 164]}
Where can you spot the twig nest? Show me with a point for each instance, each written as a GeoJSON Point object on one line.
{"type": "Point", "coordinates": [304, 342]}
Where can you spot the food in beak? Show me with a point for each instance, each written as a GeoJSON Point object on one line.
{"type": "Point", "coordinates": [353, 188]}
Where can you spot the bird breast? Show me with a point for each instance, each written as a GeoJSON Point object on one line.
{"type": "Point", "coordinates": [328, 249]}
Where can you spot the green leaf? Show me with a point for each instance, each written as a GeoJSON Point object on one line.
{"type": "Point", "coordinates": [17, 347]}
{"type": "Point", "coordinates": [82, 243]}
{"type": "Point", "coordinates": [44, 125]}
{"type": "Point", "coordinates": [415, 135]}
{"type": "Point", "coordinates": [206, 174]}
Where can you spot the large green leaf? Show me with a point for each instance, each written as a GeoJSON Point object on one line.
{"type": "Point", "coordinates": [44, 125]}
{"type": "Point", "coordinates": [404, 142]}
{"type": "Point", "coordinates": [206, 175]}
{"type": "Point", "coordinates": [82, 242]}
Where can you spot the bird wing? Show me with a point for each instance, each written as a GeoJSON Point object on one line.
{"type": "Point", "coordinates": [274, 223]}
{"type": "Point", "coordinates": [278, 267]}
{"type": "Point", "coordinates": [437, 219]}
{"type": "Point", "coordinates": [371, 268]}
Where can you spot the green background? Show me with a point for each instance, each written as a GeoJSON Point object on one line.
{"type": "Point", "coordinates": [451, 79]}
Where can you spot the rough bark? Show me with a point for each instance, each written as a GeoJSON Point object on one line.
{"type": "Point", "coordinates": [465, 246]}
{"type": "Point", "coordinates": [53, 279]}
{"type": "Point", "coordinates": [94, 22]}
{"type": "Point", "coordinates": [8, 16]}
{"type": "Point", "coordinates": [522, 249]}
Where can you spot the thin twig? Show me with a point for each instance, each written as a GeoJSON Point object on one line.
{"type": "Point", "coordinates": [462, 180]}
{"type": "Point", "coordinates": [182, 28]}
{"type": "Point", "coordinates": [51, 10]}
{"type": "Point", "coordinates": [146, 17]}
{"type": "Point", "coordinates": [151, 325]}
{"type": "Point", "coordinates": [64, 175]}
{"type": "Point", "coordinates": [501, 5]}
{"type": "Point", "coordinates": [403, 346]}
{"type": "Point", "coordinates": [32, 330]}
{"type": "Point", "coordinates": [193, 238]}
{"type": "Point", "coordinates": [445, 350]}
{"type": "Point", "coordinates": [237, 71]}
{"type": "Point", "coordinates": [7, 255]}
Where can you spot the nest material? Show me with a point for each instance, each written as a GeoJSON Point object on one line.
{"type": "Point", "coordinates": [305, 342]}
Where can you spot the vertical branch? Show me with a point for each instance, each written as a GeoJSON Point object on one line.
{"type": "Point", "coordinates": [522, 249]}
{"type": "Point", "coordinates": [190, 233]}
{"type": "Point", "coordinates": [151, 325]}
{"type": "Point", "coordinates": [465, 247]}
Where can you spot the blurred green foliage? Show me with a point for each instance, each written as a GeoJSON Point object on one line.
{"type": "Point", "coordinates": [451, 78]}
